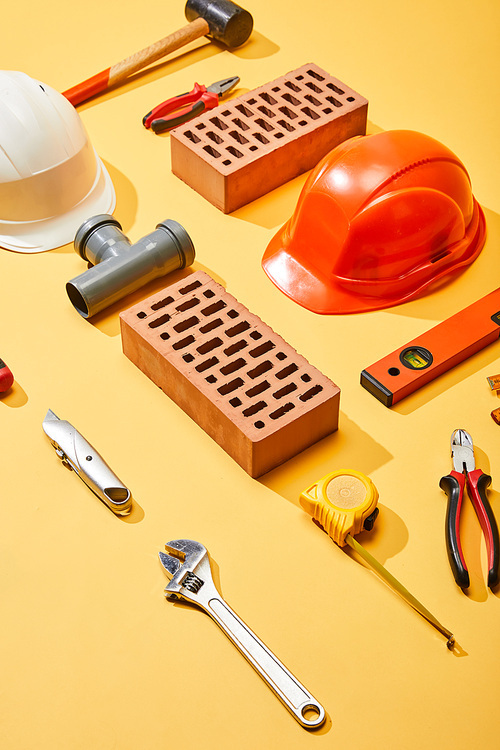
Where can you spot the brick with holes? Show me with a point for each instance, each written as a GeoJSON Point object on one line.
{"type": "Point", "coordinates": [250, 145]}
{"type": "Point", "coordinates": [259, 399]}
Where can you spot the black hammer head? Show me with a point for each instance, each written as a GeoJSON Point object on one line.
{"type": "Point", "coordinates": [228, 22]}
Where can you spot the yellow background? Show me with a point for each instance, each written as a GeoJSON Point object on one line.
{"type": "Point", "coordinates": [92, 656]}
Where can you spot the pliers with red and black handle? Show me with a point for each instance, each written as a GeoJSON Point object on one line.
{"type": "Point", "coordinates": [465, 474]}
{"type": "Point", "coordinates": [201, 97]}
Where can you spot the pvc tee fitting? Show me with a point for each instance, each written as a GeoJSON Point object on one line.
{"type": "Point", "coordinates": [118, 267]}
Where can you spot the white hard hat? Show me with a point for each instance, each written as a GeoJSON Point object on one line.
{"type": "Point", "coordinates": [51, 179]}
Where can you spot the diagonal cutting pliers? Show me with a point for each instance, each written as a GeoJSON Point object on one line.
{"type": "Point", "coordinates": [465, 473]}
{"type": "Point", "coordinates": [201, 97]}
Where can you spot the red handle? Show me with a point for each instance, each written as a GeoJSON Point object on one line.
{"type": "Point", "coordinates": [477, 484]}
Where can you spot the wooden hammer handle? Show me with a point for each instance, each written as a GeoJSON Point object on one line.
{"type": "Point", "coordinates": [139, 60]}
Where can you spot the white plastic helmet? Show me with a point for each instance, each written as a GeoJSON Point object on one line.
{"type": "Point", "coordinates": [51, 179]}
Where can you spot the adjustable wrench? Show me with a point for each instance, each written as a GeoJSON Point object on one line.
{"type": "Point", "coordinates": [187, 564]}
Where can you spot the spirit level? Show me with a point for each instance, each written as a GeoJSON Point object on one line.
{"type": "Point", "coordinates": [437, 350]}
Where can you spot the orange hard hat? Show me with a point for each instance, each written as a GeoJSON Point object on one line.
{"type": "Point", "coordinates": [380, 219]}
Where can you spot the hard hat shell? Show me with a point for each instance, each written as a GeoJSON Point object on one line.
{"type": "Point", "coordinates": [51, 179]}
{"type": "Point", "coordinates": [381, 218]}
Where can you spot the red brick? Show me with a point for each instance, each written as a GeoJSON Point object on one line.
{"type": "Point", "coordinates": [242, 383]}
{"type": "Point", "coordinates": [250, 145]}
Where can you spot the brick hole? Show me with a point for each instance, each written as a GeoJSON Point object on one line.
{"type": "Point", "coordinates": [259, 388]}
{"type": "Point", "coordinates": [260, 369]}
{"type": "Point", "coordinates": [261, 138]}
{"type": "Point", "coordinates": [142, 315]}
{"type": "Point", "coordinates": [162, 303]}
{"type": "Point", "coordinates": [218, 123]}
{"type": "Point", "coordinates": [289, 112]}
{"type": "Point", "coordinates": [299, 78]}
{"type": "Point", "coordinates": [241, 123]}
{"type": "Point", "coordinates": [328, 110]}
{"type": "Point", "coordinates": [211, 379]}
{"type": "Point", "coordinates": [230, 387]}
{"type": "Point", "coordinates": [315, 75]}
{"type": "Point", "coordinates": [259, 424]}
{"type": "Point", "coordinates": [264, 125]}
{"type": "Point", "coordinates": [159, 321]}
{"type": "Point", "coordinates": [287, 371]}
{"type": "Point", "coordinates": [233, 366]}
{"type": "Point", "coordinates": [207, 364]}
{"type": "Point", "coordinates": [234, 152]}
{"type": "Point", "coordinates": [192, 136]}
{"type": "Point", "coordinates": [226, 113]}
{"type": "Point", "coordinates": [311, 392]}
{"type": "Point", "coordinates": [313, 100]}
{"type": "Point", "coordinates": [281, 355]}
{"type": "Point", "coordinates": [350, 98]}
{"type": "Point", "coordinates": [200, 126]}
{"type": "Point", "coordinates": [215, 307]}
{"type": "Point", "coordinates": [285, 390]}
{"type": "Point", "coordinates": [275, 88]}
{"type": "Point", "coordinates": [189, 288]}
{"type": "Point", "coordinates": [210, 326]}
{"type": "Point", "coordinates": [266, 111]}
{"type": "Point", "coordinates": [256, 335]}
{"type": "Point", "coordinates": [235, 401]}
{"type": "Point", "coordinates": [335, 88]}
{"type": "Point", "coordinates": [303, 122]}
{"type": "Point", "coordinates": [292, 85]}
{"type": "Point", "coordinates": [310, 113]}
{"type": "Point", "coordinates": [313, 87]}
{"type": "Point", "coordinates": [188, 304]}
{"type": "Point", "coordinates": [212, 151]}
{"type": "Point", "coordinates": [267, 98]}
{"type": "Point", "coordinates": [279, 135]}
{"type": "Point", "coordinates": [286, 125]}
{"type": "Point", "coordinates": [252, 101]}
{"type": "Point", "coordinates": [334, 101]}
{"type": "Point", "coordinates": [233, 314]}
{"type": "Point", "coordinates": [185, 324]}
{"type": "Point", "coordinates": [164, 336]}
{"type": "Point", "coordinates": [226, 162]}
{"type": "Point", "coordinates": [262, 349]}
{"type": "Point", "coordinates": [282, 410]}
{"type": "Point", "coordinates": [209, 293]}
{"type": "Point", "coordinates": [239, 328]}
{"type": "Point", "coordinates": [253, 148]}
{"type": "Point", "coordinates": [187, 357]}
{"type": "Point", "coordinates": [251, 410]}
{"type": "Point", "coordinates": [291, 100]}
{"type": "Point", "coordinates": [234, 348]}
{"type": "Point", "coordinates": [306, 378]}
{"type": "Point", "coordinates": [208, 346]}
{"type": "Point", "coordinates": [183, 343]}
{"type": "Point", "coordinates": [214, 137]}
{"type": "Point", "coordinates": [238, 137]}
{"type": "Point", "coordinates": [244, 110]}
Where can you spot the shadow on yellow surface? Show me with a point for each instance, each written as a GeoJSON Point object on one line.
{"type": "Point", "coordinates": [15, 397]}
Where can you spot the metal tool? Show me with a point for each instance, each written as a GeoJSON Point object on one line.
{"type": "Point", "coordinates": [6, 377]}
{"type": "Point", "coordinates": [344, 503]}
{"type": "Point", "coordinates": [222, 20]}
{"type": "Point", "coordinates": [187, 564]}
{"type": "Point", "coordinates": [201, 97]}
{"type": "Point", "coordinates": [465, 473]}
{"type": "Point", "coordinates": [77, 454]}
{"type": "Point", "coordinates": [436, 351]}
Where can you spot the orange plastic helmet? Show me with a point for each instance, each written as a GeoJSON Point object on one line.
{"type": "Point", "coordinates": [381, 218]}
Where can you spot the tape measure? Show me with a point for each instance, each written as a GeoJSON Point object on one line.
{"type": "Point", "coordinates": [343, 502]}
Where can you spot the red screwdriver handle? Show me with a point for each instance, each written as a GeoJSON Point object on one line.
{"type": "Point", "coordinates": [477, 484]}
{"type": "Point", "coordinates": [453, 484]}
{"type": "Point", "coordinates": [6, 377]}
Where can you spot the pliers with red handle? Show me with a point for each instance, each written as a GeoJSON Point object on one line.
{"type": "Point", "coordinates": [201, 97]}
{"type": "Point", "coordinates": [465, 473]}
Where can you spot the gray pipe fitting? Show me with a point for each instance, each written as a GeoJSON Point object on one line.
{"type": "Point", "coordinates": [118, 267]}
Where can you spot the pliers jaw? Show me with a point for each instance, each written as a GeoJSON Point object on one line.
{"type": "Point", "coordinates": [462, 452]}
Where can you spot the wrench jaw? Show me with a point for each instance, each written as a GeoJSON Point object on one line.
{"type": "Point", "coordinates": [187, 564]}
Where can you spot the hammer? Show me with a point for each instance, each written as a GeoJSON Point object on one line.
{"type": "Point", "coordinates": [223, 20]}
